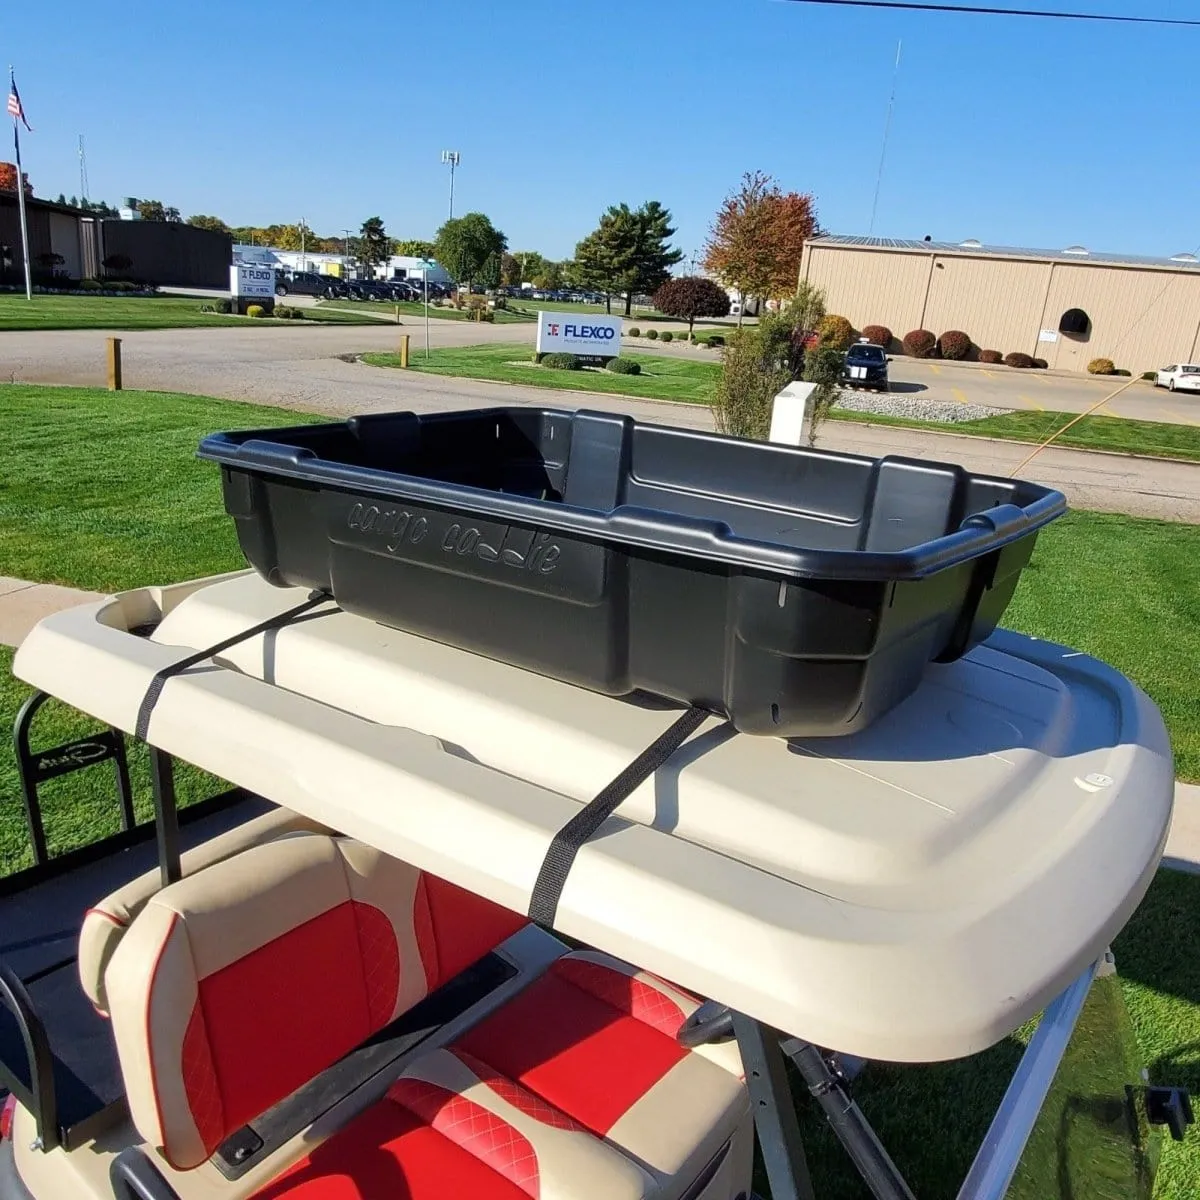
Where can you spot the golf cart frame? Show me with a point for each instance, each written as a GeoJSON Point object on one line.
{"type": "Point", "coordinates": [764, 1050]}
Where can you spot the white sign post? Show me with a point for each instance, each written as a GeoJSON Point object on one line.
{"type": "Point", "coordinates": [791, 413]}
{"type": "Point", "coordinates": [251, 283]}
{"type": "Point", "coordinates": [579, 333]}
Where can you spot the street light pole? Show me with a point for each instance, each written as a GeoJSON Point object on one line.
{"type": "Point", "coordinates": [451, 159]}
{"type": "Point", "coordinates": [303, 258]}
{"type": "Point", "coordinates": [346, 246]}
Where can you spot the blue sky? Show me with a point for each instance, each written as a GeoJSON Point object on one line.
{"type": "Point", "coordinates": [1011, 131]}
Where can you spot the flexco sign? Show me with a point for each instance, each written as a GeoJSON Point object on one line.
{"type": "Point", "coordinates": [579, 333]}
{"type": "Point", "coordinates": [250, 279]}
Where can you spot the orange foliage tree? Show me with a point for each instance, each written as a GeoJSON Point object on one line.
{"type": "Point", "coordinates": [758, 236]}
{"type": "Point", "coordinates": [8, 178]}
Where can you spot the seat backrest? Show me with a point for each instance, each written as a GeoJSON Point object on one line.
{"type": "Point", "coordinates": [105, 923]}
{"type": "Point", "coordinates": [235, 986]}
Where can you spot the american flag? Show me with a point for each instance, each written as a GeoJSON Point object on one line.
{"type": "Point", "coordinates": [15, 110]}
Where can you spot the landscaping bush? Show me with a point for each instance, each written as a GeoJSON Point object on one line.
{"type": "Point", "coordinates": [283, 312]}
{"type": "Point", "coordinates": [224, 306]}
{"type": "Point", "coordinates": [256, 310]}
{"type": "Point", "coordinates": [880, 335]}
{"type": "Point", "coordinates": [1149, 374]}
{"type": "Point", "coordinates": [622, 366]}
{"type": "Point", "coordinates": [954, 345]}
{"type": "Point", "coordinates": [652, 334]}
{"type": "Point", "coordinates": [1123, 373]}
{"type": "Point", "coordinates": [667, 336]}
{"type": "Point", "coordinates": [920, 343]}
{"type": "Point", "coordinates": [634, 331]}
{"type": "Point", "coordinates": [562, 362]}
{"type": "Point", "coordinates": [89, 285]}
{"type": "Point", "coordinates": [1041, 364]}
{"type": "Point", "coordinates": [991, 356]}
{"type": "Point", "coordinates": [835, 332]}
{"type": "Point", "coordinates": [1017, 359]}
{"type": "Point", "coordinates": [716, 339]}
{"type": "Point", "coordinates": [208, 308]}
{"type": "Point", "coordinates": [1101, 366]}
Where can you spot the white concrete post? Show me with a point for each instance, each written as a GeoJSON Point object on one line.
{"type": "Point", "coordinates": [791, 413]}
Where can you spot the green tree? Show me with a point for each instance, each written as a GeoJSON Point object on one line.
{"type": "Point", "coordinates": [470, 248]}
{"type": "Point", "coordinates": [202, 221]}
{"type": "Point", "coordinates": [372, 246]}
{"type": "Point", "coordinates": [412, 248]}
{"type": "Point", "coordinates": [151, 210]}
{"type": "Point", "coordinates": [627, 252]}
{"type": "Point", "coordinates": [510, 270]}
{"type": "Point", "coordinates": [549, 275]}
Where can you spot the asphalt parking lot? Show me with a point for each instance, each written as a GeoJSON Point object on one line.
{"type": "Point", "coordinates": [1041, 391]}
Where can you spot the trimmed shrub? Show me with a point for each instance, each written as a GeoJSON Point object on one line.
{"type": "Point", "coordinates": [283, 312]}
{"type": "Point", "coordinates": [562, 362]}
{"type": "Point", "coordinates": [208, 308]}
{"type": "Point", "coordinates": [224, 306]}
{"type": "Point", "coordinates": [256, 310]}
{"type": "Point", "coordinates": [1123, 373]}
{"type": "Point", "coordinates": [1150, 375]}
{"type": "Point", "coordinates": [634, 331]}
{"type": "Point", "coordinates": [880, 335]}
{"type": "Point", "coordinates": [667, 336]}
{"type": "Point", "coordinates": [1101, 366]}
{"type": "Point", "coordinates": [716, 339]}
{"type": "Point", "coordinates": [622, 366]}
{"type": "Point", "coordinates": [835, 332]}
{"type": "Point", "coordinates": [652, 334]}
{"type": "Point", "coordinates": [991, 356]}
{"type": "Point", "coordinates": [920, 343]}
{"type": "Point", "coordinates": [1017, 359]}
{"type": "Point", "coordinates": [90, 285]}
{"type": "Point", "coordinates": [954, 345]}
{"type": "Point", "coordinates": [1041, 364]}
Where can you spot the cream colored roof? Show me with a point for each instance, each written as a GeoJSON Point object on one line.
{"type": "Point", "coordinates": [913, 892]}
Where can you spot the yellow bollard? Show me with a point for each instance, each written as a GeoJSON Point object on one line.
{"type": "Point", "coordinates": [114, 364]}
{"type": "Point", "coordinates": [404, 349]}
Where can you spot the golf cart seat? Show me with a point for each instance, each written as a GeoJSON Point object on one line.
{"type": "Point", "coordinates": [239, 984]}
{"type": "Point", "coordinates": [105, 923]}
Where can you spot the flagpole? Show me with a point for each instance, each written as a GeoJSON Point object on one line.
{"type": "Point", "coordinates": [21, 206]}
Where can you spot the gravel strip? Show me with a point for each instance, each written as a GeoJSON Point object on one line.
{"type": "Point", "coordinates": [916, 409]}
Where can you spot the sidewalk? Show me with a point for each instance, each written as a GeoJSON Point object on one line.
{"type": "Point", "coordinates": [24, 604]}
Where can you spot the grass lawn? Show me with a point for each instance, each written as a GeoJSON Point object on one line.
{"type": "Point", "coordinates": [131, 312]}
{"type": "Point", "coordinates": [102, 490]}
{"type": "Point", "coordinates": [414, 308]}
{"type": "Point", "coordinates": [1118, 434]}
{"type": "Point", "coordinates": [661, 378]}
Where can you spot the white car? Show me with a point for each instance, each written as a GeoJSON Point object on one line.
{"type": "Point", "coordinates": [1182, 378]}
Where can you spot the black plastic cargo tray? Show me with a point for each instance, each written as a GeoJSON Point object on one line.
{"type": "Point", "coordinates": [801, 592]}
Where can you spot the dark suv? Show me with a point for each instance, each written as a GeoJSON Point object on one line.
{"type": "Point", "coordinates": [301, 283]}
{"type": "Point", "coordinates": [866, 366]}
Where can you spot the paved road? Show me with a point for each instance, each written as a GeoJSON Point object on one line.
{"type": "Point", "coordinates": [300, 368]}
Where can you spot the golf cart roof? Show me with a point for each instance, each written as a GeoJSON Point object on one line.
{"type": "Point", "coordinates": [913, 892]}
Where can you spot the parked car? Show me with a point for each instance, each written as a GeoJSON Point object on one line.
{"type": "Point", "coordinates": [300, 283]}
{"type": "Point", "coordinates": [335, 288]}
{"type": "Point", "coordinates": [1183, 377]}
{"type": "Point", "coordinates": [866, 366]}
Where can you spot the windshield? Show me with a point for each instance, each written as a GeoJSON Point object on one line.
{"type": "Point", "coordinates": [869, 353]}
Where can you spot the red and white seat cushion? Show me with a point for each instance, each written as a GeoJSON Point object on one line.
{"type": "Point", "coordinates": [105, 923]}
{"type": "Point", "coordinates": [236, 985]}
{"type": "Point", "coordinates": [450, 1127]}
{"type": "Point", "coordinates": [595, 1038]}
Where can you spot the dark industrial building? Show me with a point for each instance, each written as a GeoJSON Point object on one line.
{"type": "Point", "coordinates": [162, 252]}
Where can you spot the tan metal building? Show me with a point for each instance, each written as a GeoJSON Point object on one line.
{"type": "Point", "coordinates": [1066, 306]}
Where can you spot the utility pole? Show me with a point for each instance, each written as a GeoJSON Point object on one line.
{"type": "Point", "coordinates": [83, 179]}
{"type": "Point", "coordinates": [303, 260]}
{"type": "Point", "coordinates": [451, 159]}
{"type": "Point", "coordinates": [346, 241]}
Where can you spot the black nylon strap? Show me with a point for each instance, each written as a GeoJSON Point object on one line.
{"type": "Point", "coordinates": [154, 691]}
{"type": "Point", "coordinates": [552, 877]}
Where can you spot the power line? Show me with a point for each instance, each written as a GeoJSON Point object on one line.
{"type": "Point", "coordinates": [911, 6]}
{"type": "Point", "coordinates": [887, 129]}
